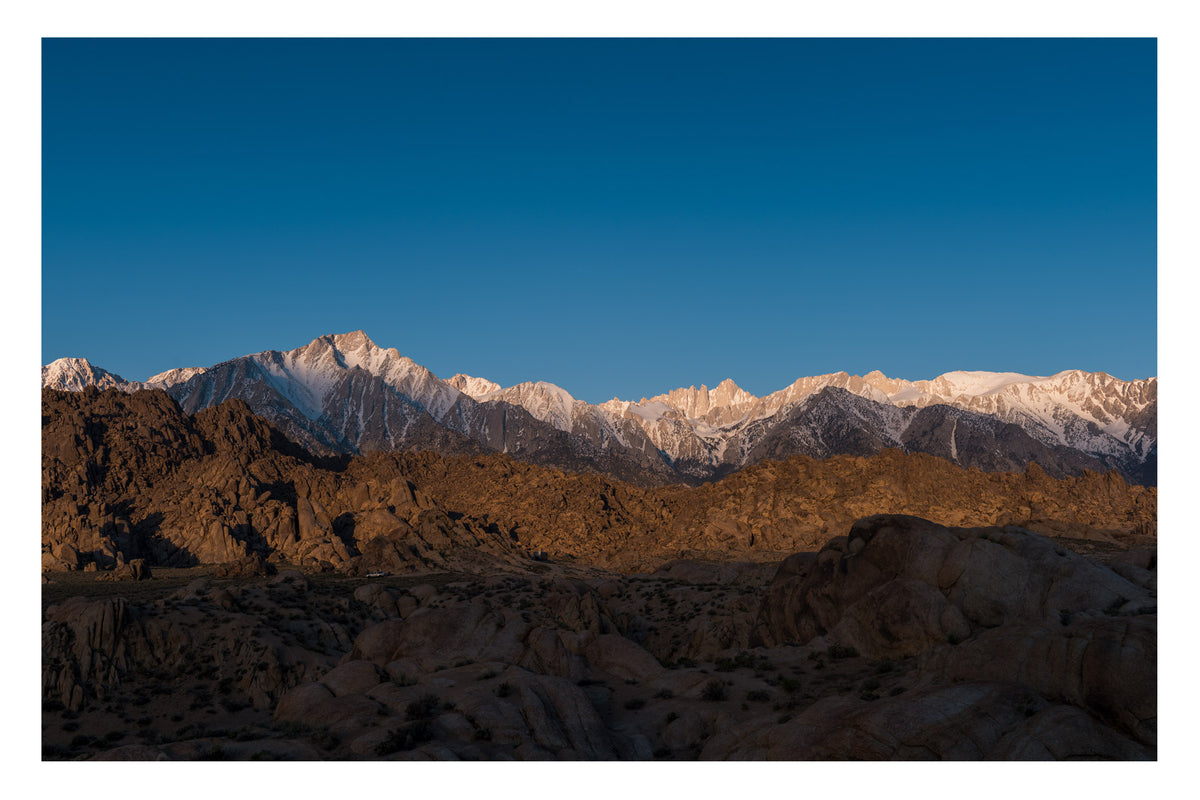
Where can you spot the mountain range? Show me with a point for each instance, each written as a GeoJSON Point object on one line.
{"type": "Point", "coordinates": [343, 393]}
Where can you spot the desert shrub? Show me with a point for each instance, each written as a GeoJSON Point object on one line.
{"type": "Point", "coordinates": [246, 734]}
{"type": "Point", "coordinates": [324, 739]}
{"type": "Point", "coordinates": [789, 685]}
{"type": "Point", "coordinates": [504, 689]}
{"type": "Point", "coordinates": [665, 694]}
{"type": "Point", "coordinates": [714, 691]}
{"type": "Point", "coordinates": [233, 705]}
{"type": "Point", "coordinates": [406, 737]}
{"type": "Point", "coordinates": [671, 717]}
{"type": "Point", "coordinates": [192, 731]}
{"type": "Point", "coordinates": [633, 704]}
{"type": "Point", "coordinates": [842, 651]}
{"type": "Point", "coordinates": [743, 659]}
{"type": "Point", "coordinates": [1028, 704]}
{"type": "Point", "coordinates": [757, 696]}
{"type": "Point", "coordinates": [217, 753]}
{"type": "Point", "coordinates": [423, 707]}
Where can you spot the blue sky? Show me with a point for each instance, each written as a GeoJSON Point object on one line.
{"type": "Point", "coordinates": [619, 217]}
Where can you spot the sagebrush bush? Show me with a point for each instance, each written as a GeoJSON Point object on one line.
{"type": "Point", "coordinates": [423, 707]}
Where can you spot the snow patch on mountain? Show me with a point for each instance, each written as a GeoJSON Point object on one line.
{"type": "Point", "coordinates": [545, 401]}
{"type": "Point", "coordinates": [473, 387]}
{"type": "Point", "coordinates": [174, 376]}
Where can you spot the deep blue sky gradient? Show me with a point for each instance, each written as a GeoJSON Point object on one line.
{"type": "Point", "coordinates": [615, 216]}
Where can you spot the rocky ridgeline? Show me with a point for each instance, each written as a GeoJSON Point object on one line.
{"type": "Point", "coordinates": [342, 393]}
{"type": "Point", "coordinates": [901, 640]}
{"type": "Point", "coordinates": [772, 509]}
{"type": "Point", "coordinates": [130, 476]}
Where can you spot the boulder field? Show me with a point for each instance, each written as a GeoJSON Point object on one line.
{"type": "Point", "coordinates": [900, 639]}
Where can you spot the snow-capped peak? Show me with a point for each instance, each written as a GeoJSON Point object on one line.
{"type": "Point", "coordinates": [545, 401]}
{"type": "Point", "coordinates": [323, 363]}
{"type": "Point", "coordinates": [73, 374]}
{"type": "Point", "coordinates": [473, 387]}
{"type": "Point", "coordinates": [976, 384]}
{"type": "Point", "coordinates": [173, 376]}
{"type": "Point", "coordinates": [324, 381]}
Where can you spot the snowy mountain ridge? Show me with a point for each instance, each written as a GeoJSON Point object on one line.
{"type": "Point", "coordinates": [73, 374]}
{"type": "Point", "coordinates": [343, 392]}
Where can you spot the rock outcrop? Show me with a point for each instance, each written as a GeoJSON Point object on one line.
{"type": "Point", "coordinates": [897, 585]}
{"type": "Point", "coordinates": [989, 614]}
{"type": "Point", "coordinates": [129, 476]}
{"type": "Point", "coordinates": [695, 660]}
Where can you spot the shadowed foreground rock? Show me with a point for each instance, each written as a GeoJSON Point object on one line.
{"type": "Point", "coordinates": [898, 585]}
{"type": "Point", "coordinates": [902, 640]}
{"type": "Point", "coordinates": [1001, 609]}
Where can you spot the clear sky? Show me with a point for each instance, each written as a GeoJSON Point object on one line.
{"type": "Point", "coordinates": [619, 217]}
